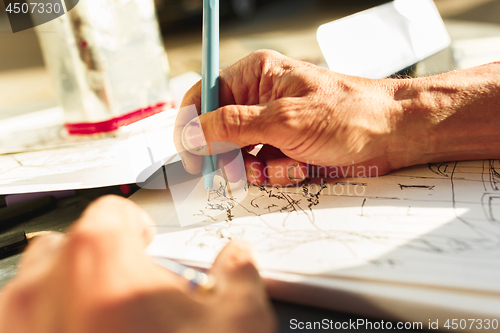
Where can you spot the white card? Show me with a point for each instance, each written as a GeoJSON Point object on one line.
{"type": "Point", "coordinates": [383, 40]}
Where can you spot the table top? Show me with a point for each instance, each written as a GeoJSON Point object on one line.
{"type": "Point", "coordinates": [183, 56]}
{"type": "Point", "coordinates": [69, 209]}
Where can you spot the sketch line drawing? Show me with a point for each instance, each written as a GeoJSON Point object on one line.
{"type": "Point", "coordinates": [494, 174]}
{"type": "Point", "coordinates": [418, 187]}
{"type": "Point", "coordinates": [435, 224]}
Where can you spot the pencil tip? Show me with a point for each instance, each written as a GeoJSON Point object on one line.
{"type": "Point", "coordinates": [208, 195]}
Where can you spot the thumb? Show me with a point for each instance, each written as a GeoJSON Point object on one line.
{"type": "Point", "coordinates": [240, 291]}
{"type": "Point", "coordinates": [117, 221]}
{"type": "Point", "coordinates": [235, 271]}
{"type": "Point", "coordinates": [225, 129]}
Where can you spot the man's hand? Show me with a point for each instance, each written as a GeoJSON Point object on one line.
{"type": "Point", "coordinates": [98, 279]}
{"type": "Point", "coordinates": [314, 116]}
{"type": "Point", "coordinates": [353, 127]}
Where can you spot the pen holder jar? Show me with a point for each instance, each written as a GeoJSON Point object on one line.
{"type": "Point", "coordinates": [108, 63]}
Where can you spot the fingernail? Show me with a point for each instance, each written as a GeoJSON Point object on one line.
{"type": "Point", "coordinates": [250, 148]}
{"type": "Point", "coordinates": [296, 173]}
{"type": "Point", "coordinates": [251, 174]}
{"type": "Point", "coordinates": [193, 137]}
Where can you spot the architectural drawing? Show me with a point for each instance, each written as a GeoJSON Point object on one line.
{"type": "Point", "coordinates": [436, 225]}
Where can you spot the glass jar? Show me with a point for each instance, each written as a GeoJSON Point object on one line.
{"type": "Point", "coordinates": [108, 64]}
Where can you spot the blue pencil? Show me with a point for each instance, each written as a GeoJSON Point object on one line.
{"type": "Point", "coordinates": [210, 79]}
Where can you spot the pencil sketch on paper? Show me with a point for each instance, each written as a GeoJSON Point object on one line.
{"type": "Point", "coordinates": [434, 225]}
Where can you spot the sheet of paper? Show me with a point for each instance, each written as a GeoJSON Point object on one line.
{"type": "Point", "coordinates": [383, 300]}
{"type": "Point", "coordinates": [434, 226]}
{"type": "Point", "coordinates": [469, 53]}
{"type": "Point", "coordinates": [37, 155]}
{"type": "Point", "coordinates": [383, 40]}
{"type": "Point", "coordinates": [104, 162]}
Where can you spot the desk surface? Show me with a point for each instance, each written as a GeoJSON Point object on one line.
{"type": "Point", "coordinates": [235, 47]}
{"type": "Point", "coordinates": [69, 209]}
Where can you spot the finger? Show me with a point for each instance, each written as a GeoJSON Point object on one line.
{"type": "Point", "coordinates": [190, 103]}
{"type": "Point", "coordinates": [270, 153]}
{"type": "Point", "coordinates": [238, 83]}
{"type": "Point", "coordinates": [193, 97]}
{"type": "Point", "coordinates": [41, 248]}
{"type": "Point", "coordinates": [251, 149]}
{"type": "Point", "coordinates": [107, 244]}
{"type": "Point", "coordinates": [250, 81]}
{"type": "Point", "coordinates": [281, 170]}
{"type": "Point", "coordinates": [39, 257]}
{"type": "Point", "coordinates": [233, 124]}
{"type": "Point", "coordinates": [21, 304]}
{"type": "Point", "coordinates": [192, 163]}
{"type": "Point", "coordinates": [255, 170]}
{"type": "Point", "coordinates": [286, 172]}
{"type": "Point", "coordinates": [235, 271]}
{"type": "Point", "coordinates": [238, 285]}
{"type": "Point", "coordinates": [232, 165]}
{"type": "Point", "coordinates": [119, 221]}
{"type": "Point", "coordinates": [246, 125]}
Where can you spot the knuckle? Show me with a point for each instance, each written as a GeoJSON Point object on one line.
{"type": "Point", "coordinates": [264, 54]}
{"type": "Point", "coordinates": [266, 58]}
{"type": "Point", "coordinates": [192, 96]}
{"type": "Point", "coordinates": [83, 243]}
{"type": "Point", "coordinates": [230, 121]}
{"type": "Point", "coordinates": [276, 62]}
{"type": "Point", "coordinates": [241, 263]}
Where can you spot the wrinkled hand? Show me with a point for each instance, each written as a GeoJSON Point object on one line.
{"type": "Point", "coordinates": [98, 279]}
{"type": "Point", "coordinates": [305, 115]}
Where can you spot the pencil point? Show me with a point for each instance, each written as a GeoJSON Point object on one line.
{"type": "Point", "coordinates": [208, 195]}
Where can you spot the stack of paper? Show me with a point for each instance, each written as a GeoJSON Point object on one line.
{"type": "Point", "coordinates": [420, 243]}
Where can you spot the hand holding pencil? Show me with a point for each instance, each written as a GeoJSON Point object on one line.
{"type": "Point", "coordinates": [98, 279]}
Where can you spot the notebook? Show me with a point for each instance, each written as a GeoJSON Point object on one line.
{"type": "Point", "coordinates": [425, 238]}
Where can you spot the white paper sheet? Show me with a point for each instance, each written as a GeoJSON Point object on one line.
{"type": "Point", "coordinates": [383, 40]}
{"type": "Point", "coordinates": [469, 53]}
{"type": "Point", "coordinates": [436, 226]}
{"type": "Point", "coordinates": [104, 162]}
{"type": "Point", "coordinates": [37, 155]}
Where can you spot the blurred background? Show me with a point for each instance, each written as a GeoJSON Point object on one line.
{"type": "Point", "coordinates": [288, 26]}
